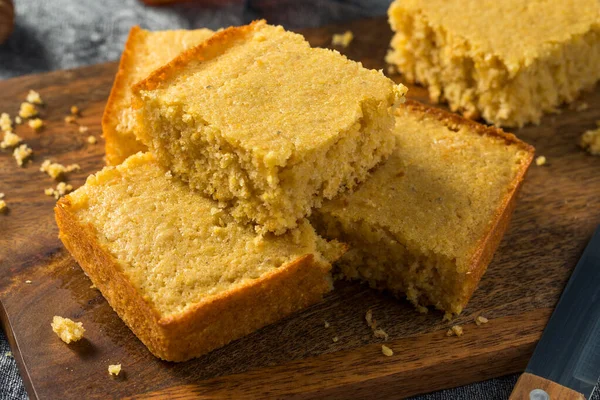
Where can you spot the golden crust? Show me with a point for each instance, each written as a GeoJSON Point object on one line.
{"type": "Point", "coordinates": [113, 140]}
{"type": "Point", "coordinates": [209, 49]}
{"type": "Point", "coordinates": [208, 325]}
{"type": "Point", "coordinates": [455, 120]}
{"type": "Point", "coordinates": [491, 240]}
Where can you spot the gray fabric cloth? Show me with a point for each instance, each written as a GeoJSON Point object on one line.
{"type": "Point", "coordinates": [58, 34]}
{"type": "Point", "coordinates": [11, 385]}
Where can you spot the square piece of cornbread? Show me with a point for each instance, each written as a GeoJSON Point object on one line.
{"type": "Point", "coordinates": [180, 272]}
{"type": "Point", "coordinates": [257, 118]}
{"type": "Point", "coordinates": [507, 61]}
{"type": "Point", "coordinates": [427, 222]}
{"type": "Point", "coordinates": [144, 52]}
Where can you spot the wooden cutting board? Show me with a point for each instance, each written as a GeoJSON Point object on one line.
{"type": "Point", "coordinates": [558, 209]}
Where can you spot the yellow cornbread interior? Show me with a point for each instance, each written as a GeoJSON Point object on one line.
{"type": "Point", "coordinates": [507, 61]}
{"type": "Point", "coordinates": [176, 247]}
{"type": "Point", "coordinates": [269, 124]}
{"type": "Point", "coordinates": [145, 52]}
{"type": "Point", "coordinates": [415, 226]}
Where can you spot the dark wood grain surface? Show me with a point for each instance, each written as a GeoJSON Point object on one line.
{"type": "Point", "coordinates": [558, 209]}
{"type": "Point", "coordinates": [529, 382]}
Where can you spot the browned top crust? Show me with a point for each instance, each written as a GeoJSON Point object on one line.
{"type": "Point", "coordinates": [455, 120]}
{"type": "Point", "coordinates": [211, 48]}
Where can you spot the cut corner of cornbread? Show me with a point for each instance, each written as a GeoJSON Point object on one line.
{"type": "Point", "coordinates": [507, 61]}
{"type": "Point", "coordinates": [428, 221]}
{"type": "Point", "coordinates": [178, 269]}
{"type": "Point", "coordinates": [257, 118]}
{"type": "Point", "coordinates": [144, 52]}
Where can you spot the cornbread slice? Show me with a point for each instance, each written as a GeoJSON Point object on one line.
{"type": "Point", "coordinates": [427, 222]}
{"type": "Point", "coordinates": [507, 61]}
{"type": "Point", "coordinates": [256, 117]}
{"type": "Point", "coordinates": [177, 269]}
{"type": "Point", "coordinates": [144, 52]}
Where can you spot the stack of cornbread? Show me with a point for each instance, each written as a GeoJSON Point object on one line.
{"type": "Point", "coordinates": [253, 140]}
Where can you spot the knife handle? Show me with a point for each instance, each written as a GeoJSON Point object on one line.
{"type": "Point", "coordinates": [533, 387]}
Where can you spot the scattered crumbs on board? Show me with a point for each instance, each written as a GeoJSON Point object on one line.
{"type": "Point", "coordinates": [386, 351]}
{"type": "Point", "coordinates": [342, 39]}
{"type": "Point", "coordinates": [539, 161]}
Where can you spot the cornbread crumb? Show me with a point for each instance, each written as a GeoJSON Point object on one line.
{"type": "Point", "coordinates": [3, 207]}
{"type": "Point", "coordinates": [377, 332]}
{"type": "Point", "coordinates": [36, 123]}
{"type": "Point", "coordinates": [67, 330]}
{"type": "Point", "coordinates": [57, 171]}
{"type": "Point", "coordinates": [74, 110]}
{"type": "Point", "coordinates": [391, 70]}
{"type": "Point", "coordinates": [447, 316]}
{"type": "Point", "coordinates": [455, 330]}
{"type": "Point", "coordinates": [22, 154]}
{"type": "Point", "coordinates": [370, 321]}
{"type": "Point", "coordinates": [8, 354]}
{"type": "Point", "coordinates": [327, 324]}
{"type": "Point", "coordinates": [10, 140]}
{"type": "Point", "coordinates": [27, 110]}
{"type": "Point", "coordinates": [386, 351]}
{"type": "Point", "coordinates": [539, 161]}
{"type": "Point", "coordinates": [480, 320]}
{"type": "Point", "coordinates": [83, 129]}
{"type": "Point", "coordinates": [342, 39]}
{"type": "Point", "coordinates": [18, 120]}
{"type": "Point", "coordinates": [422, 309]}
{"type": "Point", "coordinates": [69, 119]}
{"type": "Point", "coordinates": [61, 189]}
{"type": "Point", "coordinates": [92, 286]}
{"type": "Point", "coordinates": [33, 97]}
{"type": "Point", "coordinates": [91, 139]}
{"type": "Point", "coordinates": [28, 281]}
{"type": "Point", "coordinates": [590, 141]}
{"type": "Point", "coordinates": [114, 369]}
{"type": "Point", "coordinates": [335, 339]}
{"type": "Point", "coordinates": [380, 334]}
{"type": "Point", "coordinates": [580, 106]}
{"type": "Point", "coordinates": [5, 122]}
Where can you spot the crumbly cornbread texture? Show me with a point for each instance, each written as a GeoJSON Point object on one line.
{"type": "Point", "coordinates": [256, 117]}
{"type": "Point", "coordinates": [590, 141]}
{"type": "Point", "coordinates": [10, 140]}
{"type": "Point", "coordinates": [507, 61]}
{"type": "Point", "coordinates": [426, 223]}
{"type": "Point", "coordinates": [5, 123]}
{"type": "Point", "coordinates": [114, 369]}
{"type": "Point", "coordinates": [144, 52]}
{"type": "Point", "coordinates": [67, 330]}
{"type": "Point", "coordinates": [178, 269]}
{"type": "Point", "coordinates": [58, 171]}
{"type": "Point", "coordinates": [22, 153]}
